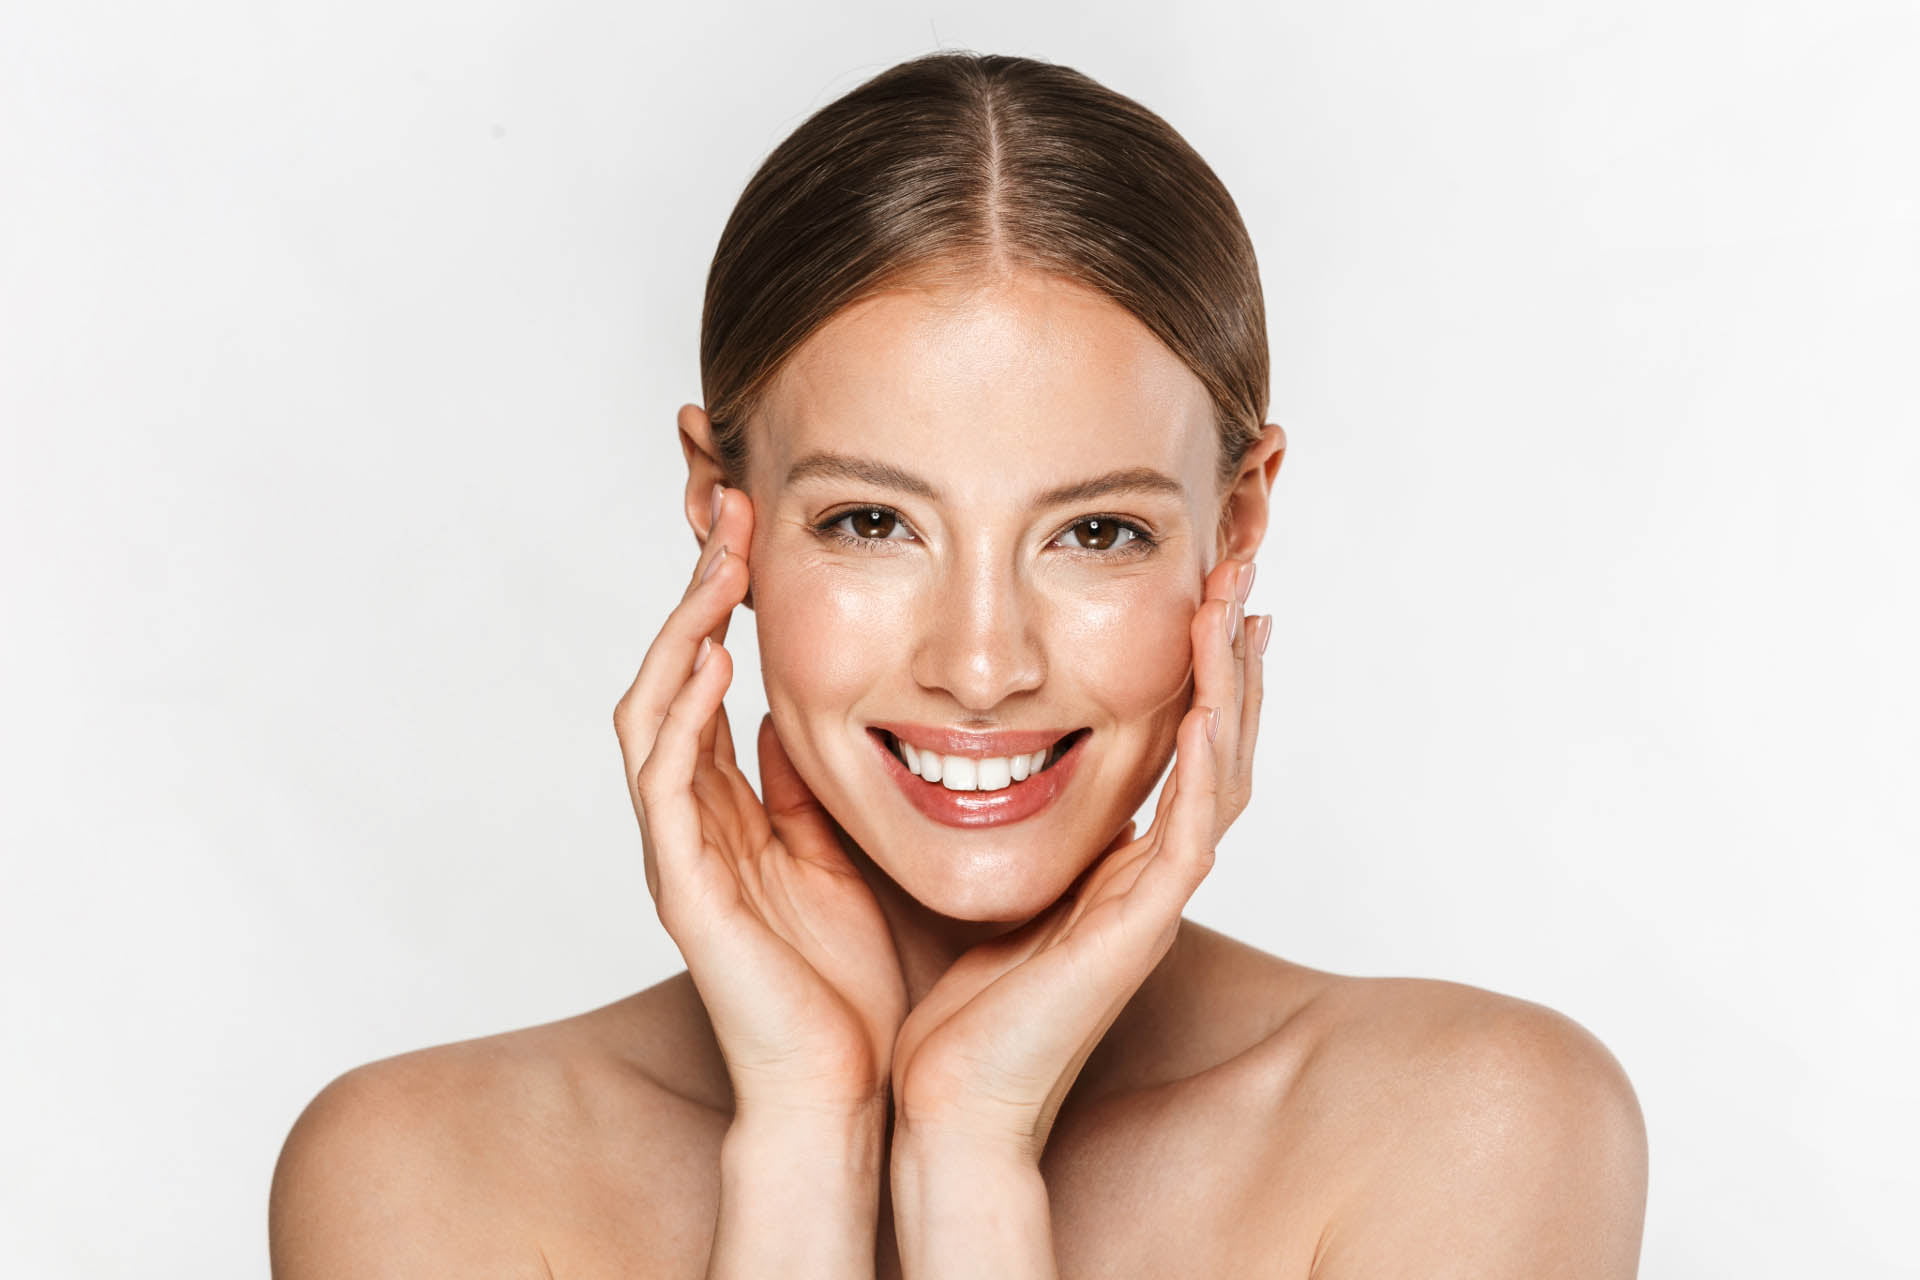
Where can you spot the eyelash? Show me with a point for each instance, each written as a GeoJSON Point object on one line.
{"type": "Point", "coordinates": [1139, 541]}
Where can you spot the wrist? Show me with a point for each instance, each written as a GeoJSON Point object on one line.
{"type": "Point", "coordinates": [836, 1138]}
{"type": "Point", "coordinates": [965, 1205]}
{"type": "Point", "coordinates": [799, 1195]}
{"type": "Point", "coordinates": [1007, 1142]}
{"type": "Point", "coordinates": [935, 1161]}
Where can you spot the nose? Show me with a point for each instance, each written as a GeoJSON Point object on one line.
{"type": "Point", "coordinates": [978, 638]}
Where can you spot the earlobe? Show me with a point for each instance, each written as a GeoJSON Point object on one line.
{"type": "Point", "coordinates": [703, 468]}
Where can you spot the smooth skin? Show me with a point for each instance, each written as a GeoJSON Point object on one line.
{"type": "Point", "coordinates": [906, 1049]}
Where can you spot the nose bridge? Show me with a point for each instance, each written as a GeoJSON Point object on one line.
{"type": "Point", "coordinates": [978, 639]}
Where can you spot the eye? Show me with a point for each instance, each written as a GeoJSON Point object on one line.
{"type": "Point", "coordinates": [867, 524]}
{"type": "Point", "coordinates": [1104, 533]}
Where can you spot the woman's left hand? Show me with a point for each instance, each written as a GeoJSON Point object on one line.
{"type": "Point", "coordinates": [987, 1056]}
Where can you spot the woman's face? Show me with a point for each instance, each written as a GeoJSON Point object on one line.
{"type": "Point", "coordinates": [983, 514]}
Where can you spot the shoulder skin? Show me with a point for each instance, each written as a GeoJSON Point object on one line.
{"type": "Point", "coordinates": [486, 1157]}
{"type": "Point", "coordinates": [1467, 1134]}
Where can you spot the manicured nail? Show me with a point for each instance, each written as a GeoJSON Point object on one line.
{"type": "Point", "coordinates": [706, 647]}
{"type": "Point", "coordinates": [1266, 631]}
{"type": "Point", "coordinates": [1246, 581]}
{"type": "Point", "coordinates": [1233, 619]}
{"type": "Point", "coordinates": [713, 564]}
{"type": "Point", "coordinates": [1213, 724]}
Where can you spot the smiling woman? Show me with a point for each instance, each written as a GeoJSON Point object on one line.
{"type": "Point", "coordinates": [983, 450]}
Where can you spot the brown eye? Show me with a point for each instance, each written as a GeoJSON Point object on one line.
{"type": "Point", "coordinates": [872, 523]}
{"type": "Point", "coordinates": [1098, 535]}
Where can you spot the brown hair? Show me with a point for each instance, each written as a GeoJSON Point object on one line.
{"type": "Point", "coordinates": [965, 161]}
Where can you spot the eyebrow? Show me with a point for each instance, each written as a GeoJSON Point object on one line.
{"type": "Point", "coordinates": [846, 466]}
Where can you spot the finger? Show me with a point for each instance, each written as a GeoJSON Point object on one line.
{"type": "Point", "coordinates": [1185, 852]}
{"type": "Point", "coordinates": [701, 614]}
{"type": "Point", "coordinates": [728, 530]}
{"type": "Point", "coordinates": [662, 787]}
{"type": "Point", "coordinates": [729, 538]}
{"type": "Point", "coordinates": [716, 740]}
{"type": "Point", "coordinates": [1227, 741]}
{"type": "Point", "coordinates": [798, 818]}
{"type": "Point", "coordinates": [1216, 638]}
{"type": "Point", "coordinates": [1253, 694]}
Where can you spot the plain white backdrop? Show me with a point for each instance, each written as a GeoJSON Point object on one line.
{"type": "Point", "coordinates": [339, 352]}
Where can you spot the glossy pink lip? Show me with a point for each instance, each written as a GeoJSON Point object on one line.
{"type": "Point", "coordinates": [968, 742]}
{"type": "Point", "coordinates": [1013, 803]}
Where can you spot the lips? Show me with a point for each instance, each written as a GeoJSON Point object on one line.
{"type": "Point", "coordinates": [977, 760]}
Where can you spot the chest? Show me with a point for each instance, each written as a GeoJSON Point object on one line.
{"type": "Point", "coordinates": [1173, 1184]}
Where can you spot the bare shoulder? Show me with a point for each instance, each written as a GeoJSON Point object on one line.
{"type": "Point", "coordinates": [481, 1155]}
{"type": "Point", "coordinates": [1464, 1132]}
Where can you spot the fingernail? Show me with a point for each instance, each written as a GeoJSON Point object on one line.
{"type": "Point", "coordinates": [706, 647]}
{"type": "Point", "coordinates": [1233, 619]}
{"type": "Point", "coordinates": [1266, 631]}
{"type": "Point", "coordinates": [1213, 724]}
{"type": "Point", "coordinates": [713, 519]}
{"type": "Point", "coordinates": [713, 564]}
{"type": "Point", "coordinates": [1246, 581]}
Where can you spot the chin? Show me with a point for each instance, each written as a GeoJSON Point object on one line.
{"type": "Point", "coordinates": [1003, 884]}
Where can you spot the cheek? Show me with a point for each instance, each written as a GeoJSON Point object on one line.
{"type": "Point", "coordinates": [826, 634]}
{"type": "Point", "coordinates": [1128, 647]}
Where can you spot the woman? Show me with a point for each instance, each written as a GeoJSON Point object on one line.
{"type": "Point", "coordinates": [983, 450]}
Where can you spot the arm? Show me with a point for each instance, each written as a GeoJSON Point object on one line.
{"type": "Point", "coordinates": [783, 940]}
{"type": "Point", "coordinates": [799, 1195]}
{"type": "Point", "coordinates": [963, 1209]}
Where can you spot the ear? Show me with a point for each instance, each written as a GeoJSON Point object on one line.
{"type": "Point", "coordinates": [703, 468]}
{"type": "Point", "coordinates": [1244, 509]}
{"type": "Point", "coordinates": [703, 472]}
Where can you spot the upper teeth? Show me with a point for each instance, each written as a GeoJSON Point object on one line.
{"type": "Point", "coordinates": [972, 773]}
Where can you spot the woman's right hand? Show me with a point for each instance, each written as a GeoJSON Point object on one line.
{"type": "Point", "coordinates": [782, 937]}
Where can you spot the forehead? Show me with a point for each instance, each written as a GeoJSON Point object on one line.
{"type": "Point", "coordinates": [1032, 373]}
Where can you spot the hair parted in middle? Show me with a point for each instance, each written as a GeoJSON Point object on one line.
{"type": "Point", "coordinates": [960, 164]}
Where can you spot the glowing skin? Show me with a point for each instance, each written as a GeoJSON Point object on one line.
{"type": "Point", "coordinates": [979, 606]}
{"type": "Point", "coordinates": [909, 1084]}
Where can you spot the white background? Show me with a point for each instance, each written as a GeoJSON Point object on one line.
{"type": "Point", "coordinates": [339, 351]}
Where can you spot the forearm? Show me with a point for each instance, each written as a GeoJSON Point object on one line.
{"type": "Point", "coordinates": [963, 1210]}
{"type": "Point", "coordinates": [799, 1198]}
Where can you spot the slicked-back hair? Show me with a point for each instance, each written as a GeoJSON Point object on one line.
{"type": "Point", "coordinates": [956, 164]}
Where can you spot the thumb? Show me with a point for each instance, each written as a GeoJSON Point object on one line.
{"type": "Point", "coordinates": [798, 818]}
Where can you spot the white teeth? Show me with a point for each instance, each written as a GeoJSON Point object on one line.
{"type": "Point", "coordinates": [959, 773]}
{"type": "Point", "coordinates": [971, 773]}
